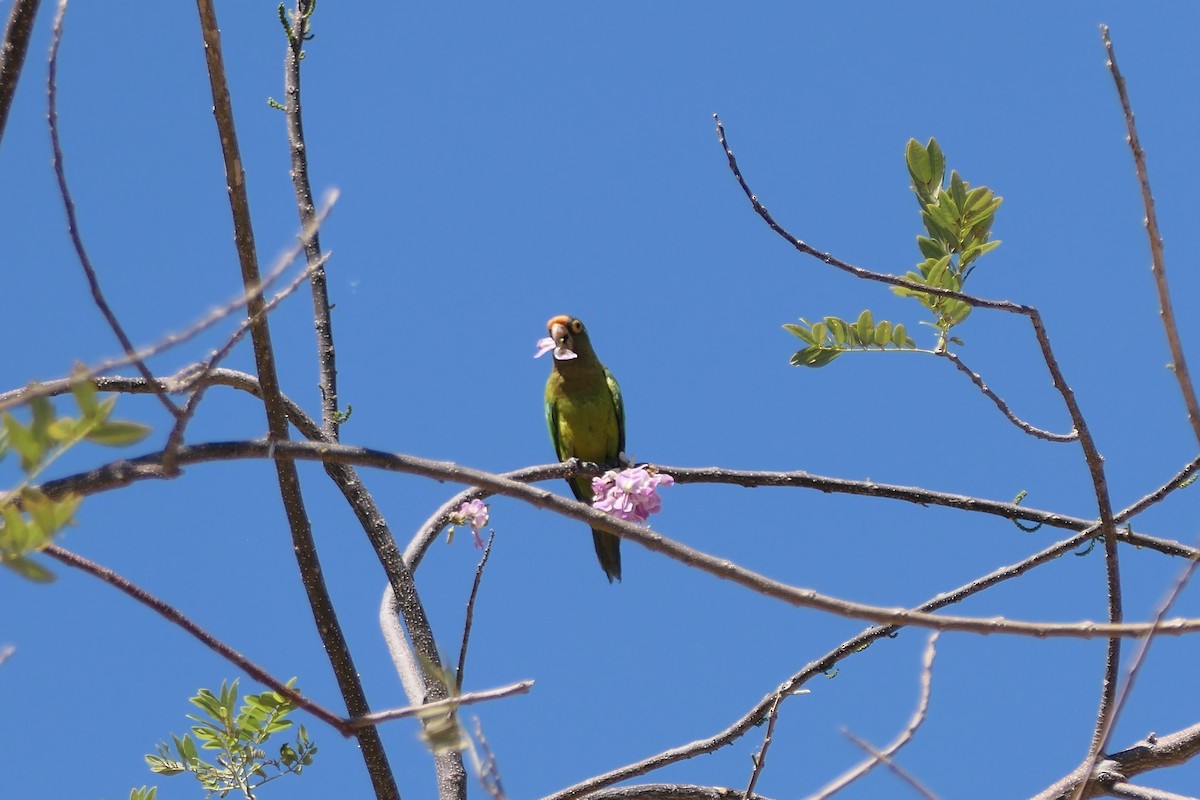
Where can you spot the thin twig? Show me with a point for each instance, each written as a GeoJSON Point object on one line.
{"type": "Point", "coordinates": [448, 704]}
{"type": "Point", "coordinates": [489, 771]}
{"type": "Point", "coordinates": [462, 652]}
{"type": "Point", "coordinates": [176, 617]}
{"type": "Point", "coordinates": [13, 48]}
{"type": "Point", "coordinates": [899, 771]}
{"type": "Point", "coordinates": [1003, 406]}
{"type": "Point", "coordinates": [322, 320]}
{"type": "Point", "coordinates": [1128, 791]}
{"type": "Point", "coordinates": [759, 759]}
{"type": "Point", "coordinates": [904, 737]}
{"type": "Point", "coordinates": [73, 223]}
{"type": "Point", "coordinates": [1158, 264]}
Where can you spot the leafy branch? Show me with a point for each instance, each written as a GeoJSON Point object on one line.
{"type": "Point", "coordinates": [238, 737]}
{"type": "Point", "coordinates": [29, 518]}
{"type": "Point", "coordinates": [958, 220]}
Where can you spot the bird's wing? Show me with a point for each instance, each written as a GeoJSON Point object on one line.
{"type": "Point", "coordinates": [615, 389]}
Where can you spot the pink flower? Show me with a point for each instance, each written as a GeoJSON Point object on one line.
{"type": "Point", "coordinates": [631, 494]}
{"type": "Point", "coordinates": [560, 353]}
{"type": "Point", "coordinates": [475, 514]}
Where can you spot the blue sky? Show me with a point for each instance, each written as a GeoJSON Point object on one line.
{"type": "Point", "coordinates": [502, 163]}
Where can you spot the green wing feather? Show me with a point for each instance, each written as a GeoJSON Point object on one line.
{"type": "Point", "coordinates": [615, 389]}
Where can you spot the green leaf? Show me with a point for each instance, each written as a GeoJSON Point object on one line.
{"type": "Point", "coordinates": [939, 229]}
{"type": "Point", "coordinates": [957, 311]}
{"type": "Point", "coordinates": [900, 336]}
{"type": "Point", "coordinates": [863, 330]}
{"type": "Point", "coordinates": [799, 332]}
{"type": "Point", "coordinates": [42, 411]}
{"type": "Point", "coordinates": [814, 357]}
{"type": "Point", "coordinates": [40, 509]}
{"type": "Point", "coordinates": [207, 702]}
{"type": "Point", "coordinates": [937, 161]}
{"type": "Point", "coordinates": [958, 190]}
{"type": "Point", "coordinates": [162, 766]}
{"type": "Point", "coordinates": [64, 429]}
{"type": "Point", "coordinates": [837, 329]}
{"type": "Point", "coordinates": [819, 332]}
{"type": "Point", "coordinates": [118, 433]}
{"type": "Point", "coordinates": [937, 272]}
{"type": "Point", "coordinates": [883, 333]}
{"type": "Point", "coordinates": [85, 398]}
{"type": "Point", "coordinates": [975, 199]}
{"type": "Point", "coordinates": [103, 409]}
{"type": "Point", "coordinates": [28, 568]}
{"type": "Point", "coordinates": [64, 510]}
{"type": "Point", "coordinates": [186, 748]}
{"type": "Point", "coordinates": [930, 248]}
{"type": "Point", "coordinates": [919, 167]}
{"type": "Point", "coordinates": [23, 441]}
{"type": "Point", "coordinates": [17, 533]}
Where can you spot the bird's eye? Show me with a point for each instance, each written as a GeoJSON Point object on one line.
{"type": "Point", "coordinates": [576, 326]}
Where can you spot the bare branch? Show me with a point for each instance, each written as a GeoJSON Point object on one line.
{"type": "Point", "coordinates": [895, 768]}
{"type": "Point", "coordinates": [73, 224]}
{"type": "Point", "coordinates": [1131, 792]}
{"type": "Point", "coordinates": [176, 617]}
{"type": "Point", "coordinates": [1158, 263]}
{"type": "Point", "coordinates": [670, 791]}
{"type": "Point", "coordinates": [1003, 406]}
{"type": "Point", "coordinates": [1153, 752]}
{"type": "Point", "coordinates": [760, 758]}
{"type": "Point", "coordinates": [462, 653]}
{"type": "Point", "coordinates": [905, 736]}
{"type": "Point", "coordinates": [322, 320]}
{"type": "Point", "coordinates": [149, 466]}
{"type": "Point", "coordinates": [13, 48]}
{"type": "Point", "coordinates": [448, 704]}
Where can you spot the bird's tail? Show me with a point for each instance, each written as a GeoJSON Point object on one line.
{"type": "Point", "coordinates": [608, 550]}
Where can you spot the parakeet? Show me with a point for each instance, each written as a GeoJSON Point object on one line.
{"type": "Point", "coordinates": [586, 417]}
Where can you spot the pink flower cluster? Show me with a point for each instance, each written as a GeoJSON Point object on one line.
{"type": "Point", "coordinates": [475, 514]}
{"type": "Point", "coordinates": [630, 494]}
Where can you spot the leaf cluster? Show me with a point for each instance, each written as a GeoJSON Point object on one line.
{"type": "Point", "coordinates": [958, 221]}
{"type": "Point", "coordinates": [833, 336]}
{"type": "Point", "coordinates": [29, 518]}
{"type": "Point", "coordinates": [238, 736]}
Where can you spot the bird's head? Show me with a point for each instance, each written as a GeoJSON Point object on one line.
{"type": "Point", "coordinates": [568, 338]}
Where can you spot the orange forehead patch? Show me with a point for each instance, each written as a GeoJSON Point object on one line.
{"type": "Point", "coordinates": [561, 319]}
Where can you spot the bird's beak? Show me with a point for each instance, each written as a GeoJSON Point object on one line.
{"type": "Point", "coordinates": [556, 341]}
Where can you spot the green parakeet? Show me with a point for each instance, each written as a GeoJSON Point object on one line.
{"type": "Point", "coordinates": [586, 417]}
